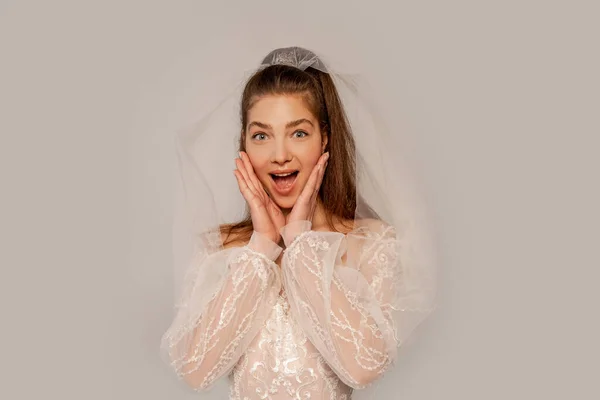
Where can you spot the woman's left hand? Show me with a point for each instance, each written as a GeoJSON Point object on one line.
{"type": "Point", "coordinates": [305, 206]}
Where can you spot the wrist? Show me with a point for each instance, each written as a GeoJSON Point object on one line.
{"type": "Point", "coordinates": [293, 229]}
{"type": "Point", "coordinates": [265, 245]}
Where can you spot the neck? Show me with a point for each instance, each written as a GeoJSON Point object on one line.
{"type": "Point", "coordinates": [318, 217]}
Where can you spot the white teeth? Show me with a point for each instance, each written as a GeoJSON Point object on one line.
{"type": "Point", "coordinates": [290, 173]}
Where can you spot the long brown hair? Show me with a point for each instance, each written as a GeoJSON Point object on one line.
{"type": "Point", "coordinates": [338, 189]}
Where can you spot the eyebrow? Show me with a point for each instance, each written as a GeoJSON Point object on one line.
{"type": "Point", "coordinates": [290, 124]}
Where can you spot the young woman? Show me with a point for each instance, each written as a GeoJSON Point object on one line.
{"type": "Point", "coordinates": [308, 295]}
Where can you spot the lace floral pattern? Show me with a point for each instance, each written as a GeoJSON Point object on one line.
{"type": "Point", "coordinates": [318, 327]}
{"type": "Point", "coordinates": [282, 364]}
{"type": "Point", "coordinates": [345, 307]}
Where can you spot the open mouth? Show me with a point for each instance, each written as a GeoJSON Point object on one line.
{"type": "Point", "coordinates": [284, 182]}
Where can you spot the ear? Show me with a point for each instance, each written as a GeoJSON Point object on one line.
{"type": "Point", "coordinates": [324, 142]}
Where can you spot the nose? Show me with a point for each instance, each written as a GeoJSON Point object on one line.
{"type": "Point", "coordinates": [281, 153]}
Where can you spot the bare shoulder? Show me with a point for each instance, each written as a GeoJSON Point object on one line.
{"type": "Point", "coordinates": [339, 225]}
{"type": "Point", "coordinates": [374, 226]}
{"type": "Point", "coordinates": [232, 240]}
{"type": "Point", "coordinates": [359, 226]}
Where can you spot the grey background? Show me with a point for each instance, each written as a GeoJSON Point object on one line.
{"type": "Point", "coordinates": [502, 98]}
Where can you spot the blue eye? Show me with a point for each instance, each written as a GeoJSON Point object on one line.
{"type": "Point", "coordinates": [254, 136]}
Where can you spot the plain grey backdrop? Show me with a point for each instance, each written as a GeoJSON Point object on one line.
{"type": "Point", "coordinates": [502, 100]}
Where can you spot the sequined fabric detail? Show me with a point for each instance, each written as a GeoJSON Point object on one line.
{"type": "Point", "coordinates": [282, 364]}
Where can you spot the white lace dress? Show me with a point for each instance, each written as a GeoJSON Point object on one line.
{"type": "Point", "coordinates": [318, 327]}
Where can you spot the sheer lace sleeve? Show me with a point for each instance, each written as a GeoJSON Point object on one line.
{"type": "Point", "coordinates": [341, 289]}
{"type": "Point", "coordinates": [227, 297]}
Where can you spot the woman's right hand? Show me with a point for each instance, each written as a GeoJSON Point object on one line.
{"type": "Point", "coordinates": [267, 218]}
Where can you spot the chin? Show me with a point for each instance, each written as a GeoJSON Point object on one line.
{"type": "Point", "coordinates": [285, 202]}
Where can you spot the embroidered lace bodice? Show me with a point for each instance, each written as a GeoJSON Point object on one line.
{"type": "Point", "coordinates": [317, 327]}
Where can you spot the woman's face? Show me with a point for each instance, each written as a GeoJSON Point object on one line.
{"type": "Point", "coordinates": [283, 136]}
